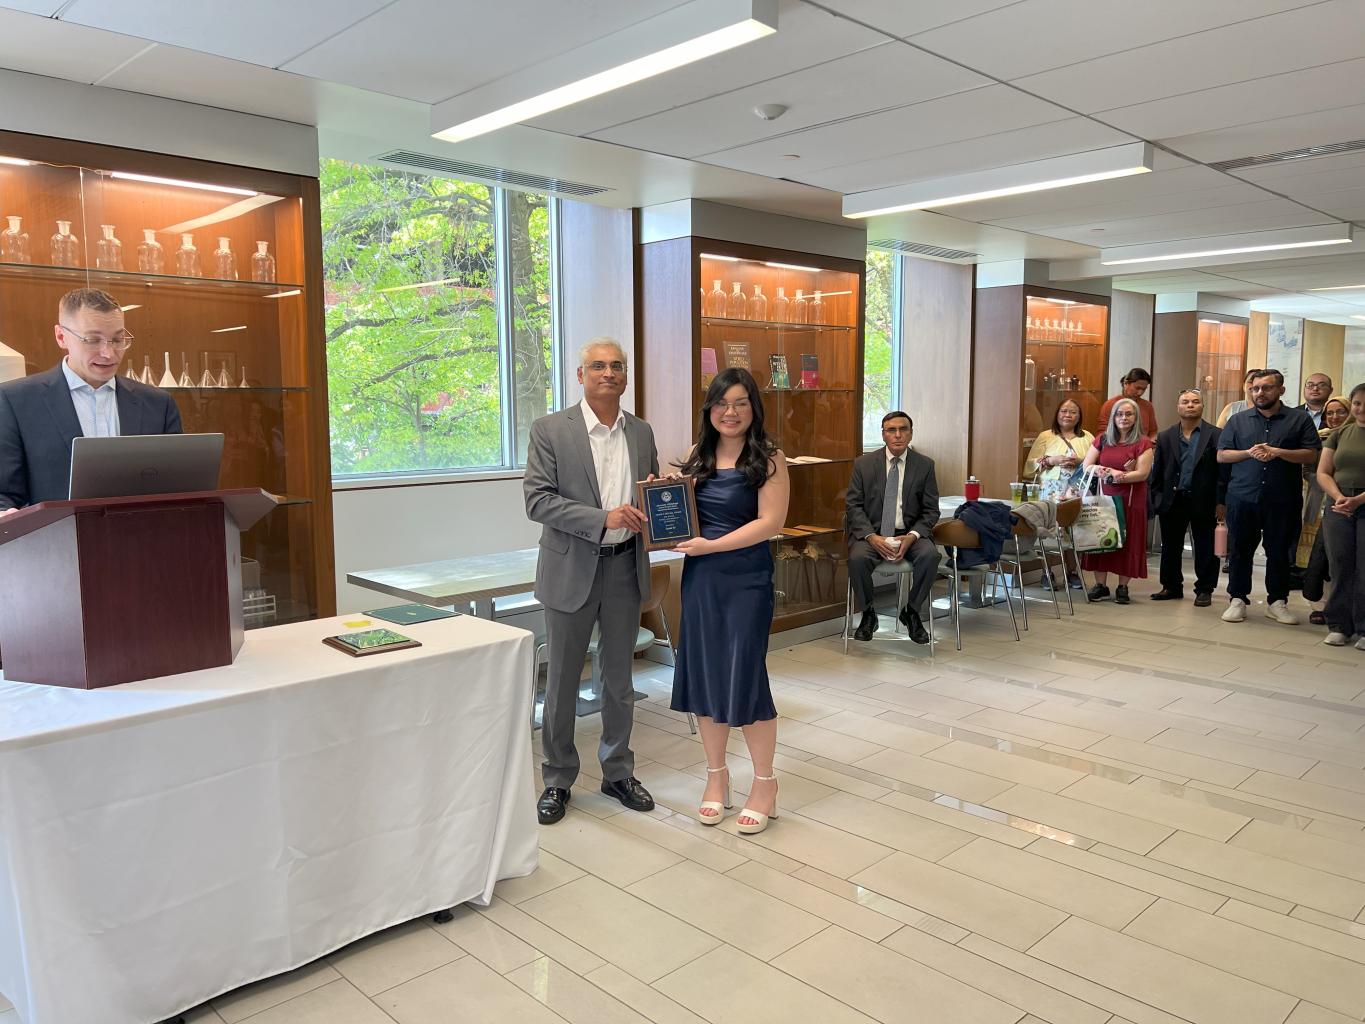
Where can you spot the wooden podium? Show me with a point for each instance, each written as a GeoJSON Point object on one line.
{"type": "Point", "coordinates": [112, 590]}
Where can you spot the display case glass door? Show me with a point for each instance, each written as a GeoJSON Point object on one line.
{"type": "Point", "coordinates": [1221, 357]}
{"type": "Point", "coordinates": [1065, 348]}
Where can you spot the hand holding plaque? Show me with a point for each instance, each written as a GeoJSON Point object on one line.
{"type": "Point", "coordinates": [670, 509]}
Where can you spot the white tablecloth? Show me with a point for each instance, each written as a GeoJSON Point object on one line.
{"type": "Point", "coordinates": [166, 841]}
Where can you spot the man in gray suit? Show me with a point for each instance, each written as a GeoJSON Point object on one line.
{"type": "Point", "coordinates": [581, 469]}
{"type": "Point", "coordinates": [83, 396]}
{"type": "Point", "coordinates": [887, 525]}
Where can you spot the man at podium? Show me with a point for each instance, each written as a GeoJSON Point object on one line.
{"type": "Point", "coordinates": [82, 396]}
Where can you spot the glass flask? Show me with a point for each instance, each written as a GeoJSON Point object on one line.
{"type": "Point", "coordinates": [758, 305]}
{"type": "Point", "coordinates": [244, 384]}
{"type": "Point", "coordinates": [14, 243]}
{"type": "Point", "coordinates": [818, 310]}
{"type": "Point", "coordinates": [207, 379]}
{"type": "Point", "coordinates": [262, 263]}
{"type": "Point", "coordinates": [781, 306]}
{"type": "Point", "coordinates": [736, 306]}
{"type": "Point", "coordinates": [108, 250]}
{"type": "Point", "coordinates": [130, 373]}
{"type": "Point", "coordinates": [186, 381]}
{"type": "Point", "coordinates": [224, 381]}
{"type": "Point", "coordinates": [187, 258]}
{"type": "Point", "coordinates": [800, 309]}
{"type": "Point", "coordinates": [151, 254]}
{"type": "Point", "coordinates": [715, 300]}
{"type": "Point", "coordinates": [66, 247]}
{"type": "Point", "coordinates": [224, 262]}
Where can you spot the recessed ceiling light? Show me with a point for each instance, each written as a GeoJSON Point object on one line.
{"type": "Point", "coordinates": [792, 266]}
{"type": "Point", "coordinates": [1228, 245]}
{"type": "Point", "coordinates": [687, 33]}
{"type": "Point", "coordinates": [16, 161]}
{"type": "Point", "coordinates": [1017, 179]}
{"type": "Point", "coordinates": [202, 186]}
{"type": "Point", "coordinates": [715, 256]}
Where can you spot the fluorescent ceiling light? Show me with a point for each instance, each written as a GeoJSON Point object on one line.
{"type": "Point", "coordinates": [1357, 316]}
{"type": "Point", "coordinates": [793, 266]}
{"type": "Point", "coordinates": [1228, 245]}
{"type": "Point", "coordinates": [225, 330]}
{"type": "Point", "coordinates": [688, 33]}
{"type": "Point", "coordinates": [178, 183]}
{"type": "Point", "coordinates": [126, 308]}
{"type": "Point", "coordinates": [16, 161]}
{"type": "Point", "coordinates": [284, 295]}
{"type": "Point", "coordinates": [1341, 288]}
{"type": "Point", "coordinates": [1016, 179]}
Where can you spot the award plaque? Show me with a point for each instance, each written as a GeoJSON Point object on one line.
{"type": "Point", "coordinates": [670, 508]}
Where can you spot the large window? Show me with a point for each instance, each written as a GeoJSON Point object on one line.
{"type": "Point", "coordinates": [439, 320]}
{"type": "Point", "coordinates": [881, 380]}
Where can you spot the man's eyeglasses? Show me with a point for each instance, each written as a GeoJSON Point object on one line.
{"type": "Point", "coordinates": [94, 342]}
{"type": "Point", "coordinates": [1315, 384]}
{"type": "Point", "coordinates": [601, 367]}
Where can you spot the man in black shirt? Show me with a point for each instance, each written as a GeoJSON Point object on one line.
{"type": "Point", "coordinates": [1186, 491]}
{"type": "Point", "coordinates": [1266, 448]}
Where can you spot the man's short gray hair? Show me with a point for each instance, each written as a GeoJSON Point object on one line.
{"type": "Point", "coordinates": [601, 342]}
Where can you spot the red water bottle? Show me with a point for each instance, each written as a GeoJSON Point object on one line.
{"type": "Point", "coordinates": [972, 489]}
{"type": "Point", "coordinates": [1220, 540]}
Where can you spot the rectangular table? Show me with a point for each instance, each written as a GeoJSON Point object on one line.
{"type": "Point", "coordinates": [167, 841]}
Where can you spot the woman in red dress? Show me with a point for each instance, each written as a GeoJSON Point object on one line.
{"type": "Point", "coordinates": [1123, 457]}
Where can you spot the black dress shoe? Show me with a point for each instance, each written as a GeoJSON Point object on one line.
{"type": "Point", "coordinates": [551, 805]}
{"type": "Point", "coordinates": [913, 623]}
{"type": "Point", "coordinates": [868, 627]}
{"type": "Point", "coordinates": [631, 793]}
{"type": "Point", "coordinates": [1168, 595]}
{"type": "Point", "coordinates": [1203, 600]}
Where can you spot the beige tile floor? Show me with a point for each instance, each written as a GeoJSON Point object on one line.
{"type": "Point", "coordinates": [1141, 815]}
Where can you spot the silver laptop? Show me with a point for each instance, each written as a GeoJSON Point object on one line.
{"type": "Point", "coordinates": [117, 467]}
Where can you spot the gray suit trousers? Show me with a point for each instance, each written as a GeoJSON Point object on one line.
{"type": "Point", "coordinates": [613, 604]}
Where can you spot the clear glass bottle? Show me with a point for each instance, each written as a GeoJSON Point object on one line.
{"type": "Point", "coordinates": [224, 262]}
{"type": "Point", "coordinates": [151, 254]}
{"type": "Point", "coordinates": [818, 310]}
{"type": "Point", "coordinates": [1028, 328]}
{"type": "Point", "coordinates": [187, 258]}
{"type": "Point", "coordinates": [14, 243]}
{"type": "Point", "coordinates": [1030, 374]}
{"type": "Point", "coordinates": [715, 299]}
{"type": "Point", "coordinates": [781, 306]}
{"type": "Point", "coordinates": [108, 250]}
{"type": "Point", "coordinates": [800, 309]}
{"type": "Point", "coordinates": [1063, 381]}
{"type": "Point", "coordinates": [186, 381]}
{"type": "Point", "coordinates": [736, 306]}
{"type": "Point", "coordinates": [244, 384]}
{"type": "Point", "coordinates": [262, 263]}
{"type": "Point", "coordinates": [66, 247]}
{"type": "Point", "coordinates": [758, 304]}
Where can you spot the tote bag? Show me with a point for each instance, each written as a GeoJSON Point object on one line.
{"type": "Point", "coordinates": [1101, 526]}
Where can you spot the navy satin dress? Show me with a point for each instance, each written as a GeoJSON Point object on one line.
{"type": "Point", "coordinates": [727, 609]}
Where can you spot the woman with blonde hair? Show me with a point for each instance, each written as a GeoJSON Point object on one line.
{"type": "Point", "coordinates": [1122, 443]}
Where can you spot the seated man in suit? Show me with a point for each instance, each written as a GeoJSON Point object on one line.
{"type": "Point", "coordinates": [82, 396]}
{"type": "Point", "coordinates": [1187, 488]}
{"type": "Point", "coordinates": [887, 523]}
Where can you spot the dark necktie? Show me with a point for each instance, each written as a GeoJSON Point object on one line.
{"type": "Point", "coordinates": [893, 490]}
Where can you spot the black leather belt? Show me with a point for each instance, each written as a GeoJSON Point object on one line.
{"type": "Point", "coordinates": [607, 550]}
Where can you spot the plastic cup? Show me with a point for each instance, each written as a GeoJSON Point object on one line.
{"type": "Point", "coordinates": [1016, 492]}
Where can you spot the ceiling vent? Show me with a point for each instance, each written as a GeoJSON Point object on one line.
{"type": "Point", "coordinates": [464, 170]}
{"type": "Point", "coordinates": [1307, 153]}
{"type": "Point", "coordinates": [920, 249]}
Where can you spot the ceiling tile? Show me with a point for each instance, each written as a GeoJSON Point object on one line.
{"type": "Point", "coordinates": [1287, 95]}
{"type": "Point", "coordinates": [45, 46]}
{"type": "Point", "coordinates": [1223, 220]}
{"type": "Point", "coordinates": [1138, 205]}
{"type": "Point", "coordinates": [1307, 37]}
{"type": "Point", "coordinates": [264, 32]}
{"type": "Point", "coordinates": [1344, 124]}
{"type": "Point", "coordinates": [1343, 167]}
{"type": "Point", "coordinates": [964, 115]}
{"type": "Point", "coordinates": [819, 95]}
{"type": "Point", "coordinates": [899, 18]}
{"type": "Point", "coordinates": [805, 36]}
{"type": "Point", "coordinates": [1028, 38]}
{"type": "Point", "coordinates": [431, 50]}
{"type": "Point", "coordinates": [46, 8]}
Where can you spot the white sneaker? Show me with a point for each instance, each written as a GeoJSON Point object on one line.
{"type": "Point", "coordinates": [1237, 611]}
{"type": "Point", "coordinates": [1360, 642]}
{"type": "Point", "coordinates": [1279, 611]}
{"type": "Point", "coordinates": [1335, 639]}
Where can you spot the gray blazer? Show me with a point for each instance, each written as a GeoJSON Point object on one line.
{"type": "Point", "coordinates": [919, 495]}
{"type": "Point", "coordinates": [38, 422]}
{"type": "Point", "coordinates": [561, 494]}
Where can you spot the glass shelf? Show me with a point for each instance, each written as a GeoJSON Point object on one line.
{"type": "Point", "coordinates": [245, 391]}
{"type": "Point", "coordinates": [808, 391]}
{"type": "Point", "coordinates": [80, 274]}
{"type": "Point", "coordinates": [769, 325]}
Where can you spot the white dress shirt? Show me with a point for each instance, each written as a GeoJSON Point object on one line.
{"type": "Point", "coordinates": [900, 491]}
{"type": "Point", "coordinates": [611, 460]}
{"type": "Point", "coordinates": [96, 408]}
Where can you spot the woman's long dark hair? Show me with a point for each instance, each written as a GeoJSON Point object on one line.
{"type": "Point", "coordinates": [755, 461]}
{"type": "Point", "coordinates": [1079, 428]}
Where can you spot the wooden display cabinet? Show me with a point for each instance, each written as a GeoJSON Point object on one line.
{"type": "Point", "coordinates": [817, 416]}
{"type": "Point", "coordinates": [1035, 348]}
{"type": "Point", "coordinates": [262, 338]}
{"type": "Point", "coordinates": [1221, 361]}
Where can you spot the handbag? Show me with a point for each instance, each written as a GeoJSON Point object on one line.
{"type": "Point", "coordinates": [1101, 526]}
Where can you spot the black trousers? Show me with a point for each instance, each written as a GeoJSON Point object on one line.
{"type": "Point", "coordinates": [1316, 576]}
{"type": "Point", "coordinates": [1346, 552]}
{"type": "Point", "coordinates": [1199, 518]}
{"type": "Point", "coordinates": [1270, 525]}
{"type": "Point", "coordinates": [923, 556]}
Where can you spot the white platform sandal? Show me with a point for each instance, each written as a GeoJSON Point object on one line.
{"type": "Point", "coordinates": [715, 805]}
{"type": "Point", "coordinates": [760, 820]}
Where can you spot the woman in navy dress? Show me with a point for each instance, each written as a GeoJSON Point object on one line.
{"type": "Point", "coordinates": [727, 593]}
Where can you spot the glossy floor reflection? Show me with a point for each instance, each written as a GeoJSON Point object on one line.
{"type": "Point", "coordinates": [1139, 814]}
